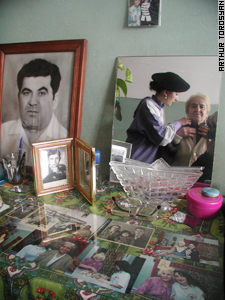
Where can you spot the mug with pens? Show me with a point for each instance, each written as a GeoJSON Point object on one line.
{"type": "Point", "coordinates": [15, 165]}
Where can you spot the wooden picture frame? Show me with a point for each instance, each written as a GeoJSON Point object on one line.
{"type": "Point", "coordinates": [69, 54]}
{"type": "Point", "coordinates": [53, 166]}
{"type": "Point", "coordinates": [85, 170]}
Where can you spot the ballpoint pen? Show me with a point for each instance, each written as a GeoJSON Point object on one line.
{"type": "Point", "coordinates": [20, 150]}
{"type": "Point", "coordinates": [22, 159]}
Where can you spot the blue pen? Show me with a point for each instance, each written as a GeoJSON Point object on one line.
{"type": "Point", "coordinates": [20, 149]}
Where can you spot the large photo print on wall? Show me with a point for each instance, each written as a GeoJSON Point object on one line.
{"type": "Point", "coordinates": [41, 92]}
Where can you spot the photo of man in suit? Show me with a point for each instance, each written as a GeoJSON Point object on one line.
{"type": "Point", "coordinates": [56, 170]}
{"type": "Point", "coordinates": [38, 82]}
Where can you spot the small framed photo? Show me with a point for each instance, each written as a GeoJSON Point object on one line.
{"type": "Point", "coordinates": [85, 170]}
{"type": "Point", "coordinates": [119, 151]}
{"type": "Point", "coordinates": [53, 166]}
{"type": "Point", "coordinates": [144, 13]}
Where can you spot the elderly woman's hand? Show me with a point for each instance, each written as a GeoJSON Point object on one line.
{"type": "Point", "coordinates": [93, 270]}
{"type": "Point", "coordinates": [186, 131]}
{"type": "Point", "coordinates": [203, 130]}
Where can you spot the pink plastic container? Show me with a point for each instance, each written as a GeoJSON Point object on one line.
{"type": "Point", "coordinates": [202, 206]}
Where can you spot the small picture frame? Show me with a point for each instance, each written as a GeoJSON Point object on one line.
{"type": "Point", "coordinates": [144, 13]}
{"type": "Point", "coordinates": [53, 166]}
{"type": "Point", "coordinates": [85, 170]}
{"type": "Point", "coordinates": [119, 151]}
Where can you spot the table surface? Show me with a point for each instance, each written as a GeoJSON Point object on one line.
{"type": "Point", "coordinates": [67, 212]}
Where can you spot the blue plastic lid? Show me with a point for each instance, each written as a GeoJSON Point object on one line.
{"type": "Point", "coordinates": [210, 192]}
{"type": "Point", "coordinates": [97, 156]}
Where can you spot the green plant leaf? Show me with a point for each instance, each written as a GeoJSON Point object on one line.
{"type": "Point", "coordinates": [117, 93]}
{"type": "Point", "coordinates": [118, 114]}
{"type": "Point", "coordinates": [121, 66]}
{"type": "Point", "coordinates": [122, 84]}
{"type": "Point", "coordinates": [129, 77]}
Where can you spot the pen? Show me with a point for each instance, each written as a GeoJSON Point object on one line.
{"type": "Point", "coordinates": [20, 149]}
{"type": "Point", "coordinates": [22, 159]}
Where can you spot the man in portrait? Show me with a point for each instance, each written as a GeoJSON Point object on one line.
{"type": "Point", "coordinates": [56, 170]}
{"type": "Point", "coordinates": [38, 82]}
{"type": "Point", "coordinates": [139, 239]}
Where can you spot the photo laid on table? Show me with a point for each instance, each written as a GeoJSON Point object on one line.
{"type": "Point", "coordinates": [57, 253]}
{"type": "Point", "coordinates": [73, 223]}
{"type": "Point", "coordinates": [11, 232]}
{"type": "Point", "coordinates": [127, 234]}
{"type": "Point", "coordinates": [195, 249]}
{"type": "Point", "coordinates": [109, 268]}
{"type": "Point", "coordinates": [76, 224]}
{"type": "Point", "coordinates": [164, 279]}
{"type": "Point", "coordinates": [22, 210]}
{"type": "Point", "coordinates": [62, 215]}
{"type": "Point", "coordinates": [43, 218]}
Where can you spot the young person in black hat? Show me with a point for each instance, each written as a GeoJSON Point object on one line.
{"type": "Point", "coordinates": [148, 130]}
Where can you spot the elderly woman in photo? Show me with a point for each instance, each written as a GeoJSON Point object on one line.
{"type": "Point", "coordinates": [93, 264]}
{"type": "Point", "coordinates": [186, 287]}
{"type": "Point", "coordinates": [193, 144]}
{"type": "Point", "coordinates": [159, 287]}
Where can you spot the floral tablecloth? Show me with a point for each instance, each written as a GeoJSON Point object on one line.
{"type": "Point", "coordinates": [27, 281]}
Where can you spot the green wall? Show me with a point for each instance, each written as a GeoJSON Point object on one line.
{"type": "Point", "coordinates": [189, 27]}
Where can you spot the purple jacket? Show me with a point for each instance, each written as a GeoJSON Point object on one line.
{"type": "Point", "coordinates": [147, 131]}
{"type": "Point", "coordinates": [90, 262]}
{"type": "Point", "coordinates": [153, 286]}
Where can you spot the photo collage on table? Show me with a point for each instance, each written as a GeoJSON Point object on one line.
{"type": "Point", "coordinates": [114, 269]}
{"type": "Point", "coordinates": [95, 249]}
{"type": "Point", "coordinates": [45, 224]}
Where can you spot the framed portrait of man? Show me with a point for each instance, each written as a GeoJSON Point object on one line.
{"type": "Point", "coordinates": [53, 166]}
{"type": "Point", "coordinates": [41, 92]}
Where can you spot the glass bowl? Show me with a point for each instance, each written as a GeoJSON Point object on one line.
{"type": "Point", "coordinates": [154, 183]}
